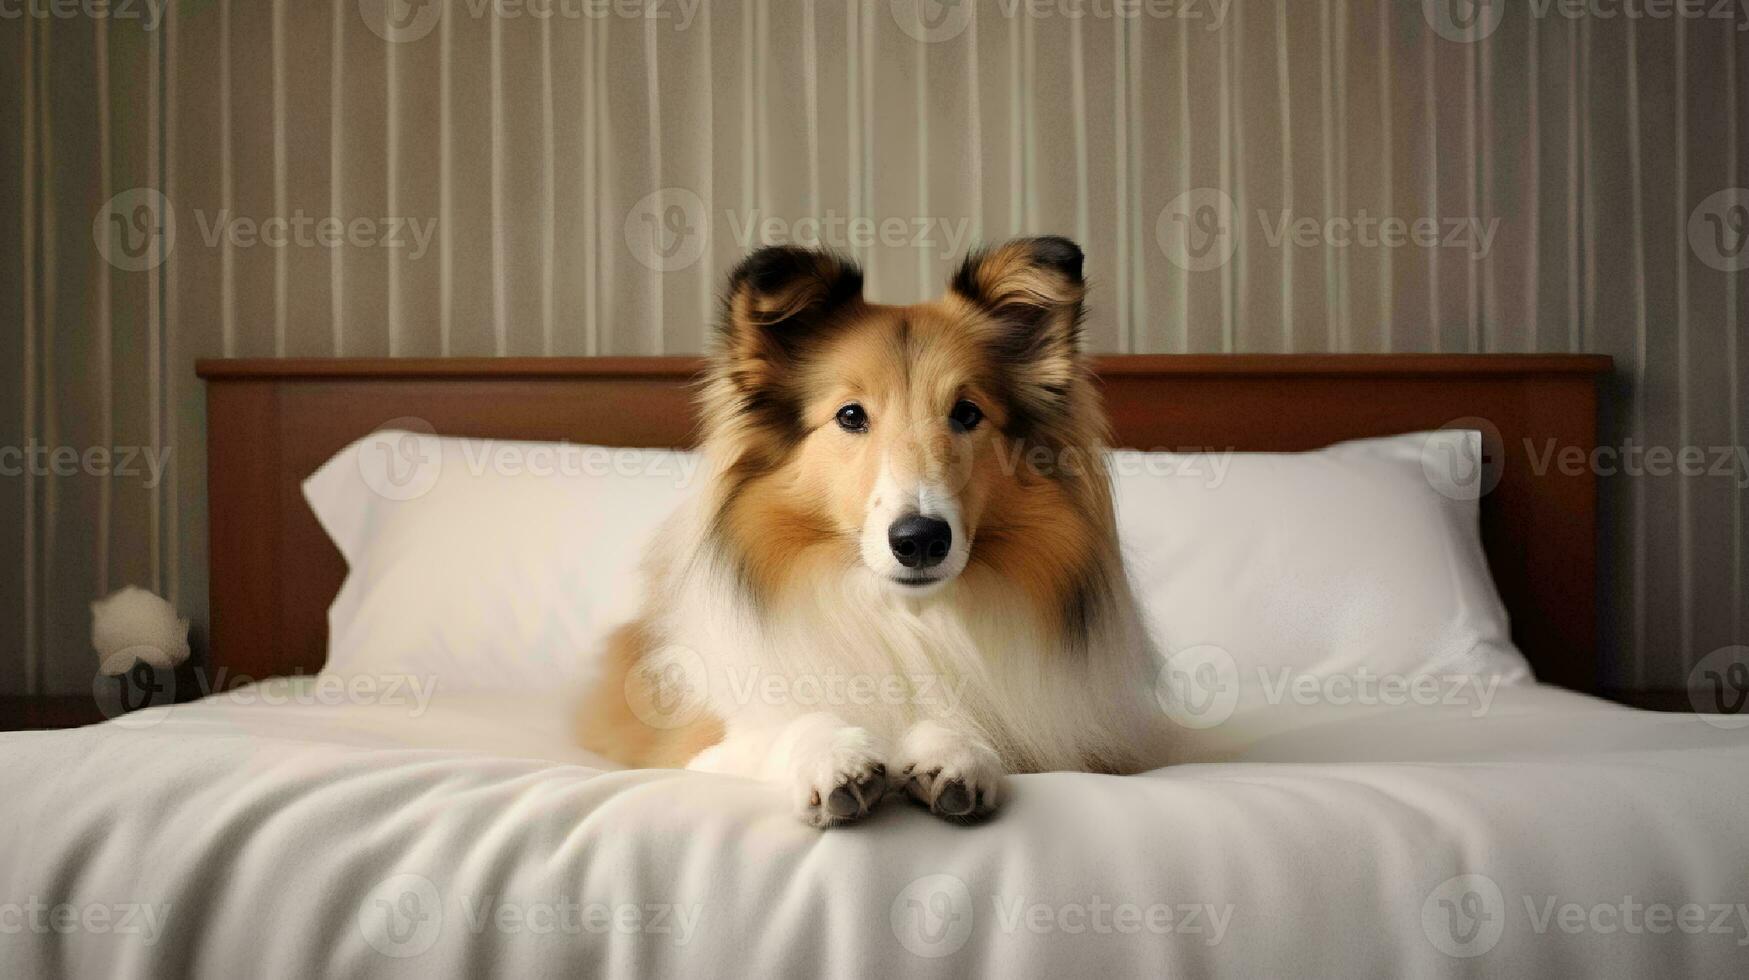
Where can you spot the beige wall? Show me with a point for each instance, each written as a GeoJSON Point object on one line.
{"type": "Point", "coordinates": [527, 148]}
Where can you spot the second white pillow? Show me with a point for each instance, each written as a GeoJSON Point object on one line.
{"type": "Point", "coordinates": [1363, 558]}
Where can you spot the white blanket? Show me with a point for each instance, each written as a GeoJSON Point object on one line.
{"type": "Point", "coordinates": [1554, 835]}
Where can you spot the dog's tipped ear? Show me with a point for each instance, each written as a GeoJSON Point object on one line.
{"type": "Point", "coordinates": [1031, 290]}
{"type": "Point", "coordinates": [777, 295]}
{"type": "Point", "coordinates": [778, 299]}
{"type": "Point", "coordinates": [1032, 286]}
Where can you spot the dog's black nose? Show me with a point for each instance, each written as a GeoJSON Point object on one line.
{"type": "Point", "coordinates": [918, 541]}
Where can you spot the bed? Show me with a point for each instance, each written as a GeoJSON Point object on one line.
{"type": "Point", "coordinates": [279, 828]}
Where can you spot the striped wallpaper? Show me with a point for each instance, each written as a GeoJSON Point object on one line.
{"type": "Point", "coordinates": [496, 177]}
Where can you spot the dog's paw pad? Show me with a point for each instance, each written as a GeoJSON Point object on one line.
{"type": "Point", "coordinates": [848, 787]}
{"type": "Point", "coordinates": [854, 797]}
{"type": "Point", "coordinates": [954, 799]}
{"type": "Point", "coordinates": [960, 796]}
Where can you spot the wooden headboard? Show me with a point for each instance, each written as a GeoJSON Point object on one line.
{"type": "Point", "coordinates": [270, 423]}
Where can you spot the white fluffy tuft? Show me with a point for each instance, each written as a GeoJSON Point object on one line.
{"type": "Point", "coordinates": [132, 624]}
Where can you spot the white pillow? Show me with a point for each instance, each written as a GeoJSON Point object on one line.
{"type": "Point", "coordinates": [1361, 559]}
{"type": "Point", "coordinates": [499, 565]}
{"type": "Point", "coordinates": [487, 564]}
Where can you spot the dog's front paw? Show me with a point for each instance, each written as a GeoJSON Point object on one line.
{"type": "Point", "coordinates": [957, 778]}
{"type": "Point", "coordinates": [840, 781]}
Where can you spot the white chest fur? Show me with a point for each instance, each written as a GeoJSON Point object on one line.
{"type": "Point", "coordinates": [884, 662]}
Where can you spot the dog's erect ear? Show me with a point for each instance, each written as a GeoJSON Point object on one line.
{"type": "Point", "coordinates": [1032, 290]}
{"type": "Point", "coordinates": [780, 294]}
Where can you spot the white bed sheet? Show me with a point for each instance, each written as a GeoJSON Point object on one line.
{"type": "Point", "coordinates": [1551, 836]}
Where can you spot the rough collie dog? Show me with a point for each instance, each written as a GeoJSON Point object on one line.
{"type": "Point", "coordinates": [902, 572]}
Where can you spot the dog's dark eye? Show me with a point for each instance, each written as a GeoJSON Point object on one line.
{"type": "Point", "coordinates": [965, 416]}
{"type": "Point", "coordinates": [852, 418]}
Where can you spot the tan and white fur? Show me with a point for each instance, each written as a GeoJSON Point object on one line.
{"type": "Point", "coordinates": [902, 571]}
